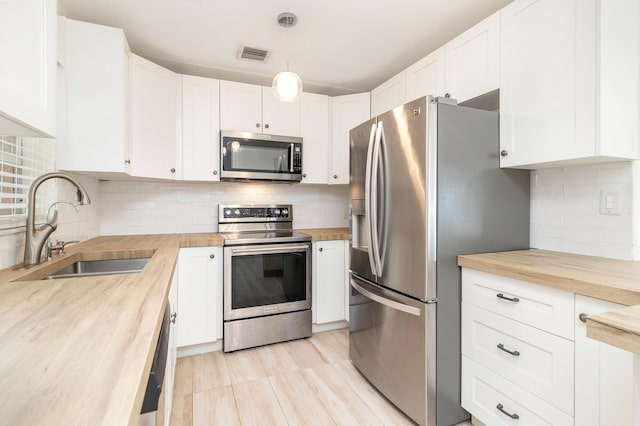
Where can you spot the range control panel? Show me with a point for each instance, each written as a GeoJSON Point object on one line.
{"type": "Point", "coordinates": [255, 213]}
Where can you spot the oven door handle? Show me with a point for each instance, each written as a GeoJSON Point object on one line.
{"type": "Point", "coordinates": [279, 249]}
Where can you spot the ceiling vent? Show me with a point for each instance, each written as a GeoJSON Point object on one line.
{"type": "Point", "coordinates": [253, 54]}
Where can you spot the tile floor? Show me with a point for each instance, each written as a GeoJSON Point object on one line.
{"type": "Point", "coordinates": [309, 381]}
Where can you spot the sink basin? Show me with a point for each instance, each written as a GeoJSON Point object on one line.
{"type": "Point", "coordinates": [89, 268]}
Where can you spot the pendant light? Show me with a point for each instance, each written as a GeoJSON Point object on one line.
{"type": "Point", "coordinates": [287, 85]}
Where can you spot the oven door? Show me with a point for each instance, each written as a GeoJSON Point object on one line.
{"type": "Point", "coordinates": [266, 279]}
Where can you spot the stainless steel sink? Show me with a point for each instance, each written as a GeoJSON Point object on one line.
{"type": "Point", "coordinates": [90, 268]}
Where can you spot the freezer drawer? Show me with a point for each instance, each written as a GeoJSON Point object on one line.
{"type": "Point", "coordinates": [392, 343]}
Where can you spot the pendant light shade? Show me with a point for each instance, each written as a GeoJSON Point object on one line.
{"type": "Point", "coordinates": [287, 86]}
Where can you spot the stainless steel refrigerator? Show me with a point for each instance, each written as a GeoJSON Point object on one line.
{"type": "Point", "coordinates": [426, 187]}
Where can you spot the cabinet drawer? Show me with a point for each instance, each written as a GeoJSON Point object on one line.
{"type": "Point", "coordinates": [541, 307]}
{"type": "Point", "coordinates": [484, 393]}
{"type": "Point", "coordinates": [540, 362]}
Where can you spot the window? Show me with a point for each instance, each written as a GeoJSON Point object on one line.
{"type": "Point", "coordinates": [22, 159]}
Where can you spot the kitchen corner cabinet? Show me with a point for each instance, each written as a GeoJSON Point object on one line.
{"type": "Point", "coordinates": [604, 373]}
{"type": "Point", "coordinates": [390, 94]}
{"type": "Point", "coordinates": [28, 74]}
{"type": "Point", "coordinates": [200, 128]}
{"type": "Point", "coordinates": [426, 77]}
{"type": "Point", "coordinates": [473, 60]}
{"type": "Point", "coordinates": [328, 295]}
{"type": "Point", "coordinates": [199, 295]}
{"type": "Point", "coordinates": [154, 100]}
{"type": "Point", "coordinates": [251, 108]}
{"type": "Point", "coordinates": [97, 99]}
{"type": "Point", "coordinates": [569, 95]}
{"type": "Point", "coordinates": [346, 113]}
{"type": "Point", "coordinates": [314, 126]}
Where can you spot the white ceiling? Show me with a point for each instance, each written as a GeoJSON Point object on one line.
{"type": "Point", "coordinates": [338, 46]}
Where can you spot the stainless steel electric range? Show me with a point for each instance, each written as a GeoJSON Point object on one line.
{"type": "Point", "coordinates": [267, 276]}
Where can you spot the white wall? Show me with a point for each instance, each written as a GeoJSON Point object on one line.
{"type": "Point", "coordinates": [81, 226]}
{"type": "Point", "coordinates": [565, 213]}
{"type": "Point", "coordinates": [167, 207]}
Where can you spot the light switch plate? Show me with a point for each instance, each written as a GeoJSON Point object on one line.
{"type": "Point", "coordinates": [610, 202]}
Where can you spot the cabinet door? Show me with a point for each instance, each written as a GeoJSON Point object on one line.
{"type": "Point", "coordinates": [153, 120]}
{"type": "Point", "coordinates": [604, 385]}
{"type": "Point", "coordinates": [389, 94]}
{"type": "Point", "coordinates": [200, 128]}
{"type": "Point", "coordinates": [541, 117]}
{"type": "Point", "coordinates": [279, 118]}
{"type": "Point", "coordinates": [28, 73]}
{"type": "Point", "coordinates": [426, 77]}
{"type": "Point", "coordinates": [199, 295]}
{"type": "Point", "coordinates": [96, 68]}
{"type": "Point", "coordinates": [346, 113]}
{"type": "Point", "coordinates": [473, 60]}
{"type": "Point", "coordinates": [329, 283]}
{"type": "Point", "coordinates": [314, 123]}
{"type": "Point", "coordinates": [240, 107]}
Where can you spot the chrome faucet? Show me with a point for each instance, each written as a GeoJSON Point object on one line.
{"type": "Point", "coordinates": [38, 234]}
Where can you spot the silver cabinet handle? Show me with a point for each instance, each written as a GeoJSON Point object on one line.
{"type": "Point", "coordinates": [504, 153]}
{"type": "Point", "coordinates": [257, 124]}
{"type": "Point", "coordinates": [173, 170]}
{"type": "Point", "coordinates": [583, 317]}
{"type": "Point", "coordinates": [127, 161]}
{"type": "Point", "coordinates": [502, 348]}
{"type": "Point", "coordinates": [173, 317]}
{"type": "Point", "coordinates": [335, 176]}
{"type": "Point", "coordinates": [212, 256]}
{"type": "Point", "coordinates": [215, 172]}
{"type": "Point", "coordinates": [304, 175]}
{"type": "Point", "coordinates": [510, 299]}
{"type": "Point", "coordinates": [320, 249]}
{"type": "Point", "coordinates": [266, 126]}
{"type": "Point", "coordinates": [514, 416]}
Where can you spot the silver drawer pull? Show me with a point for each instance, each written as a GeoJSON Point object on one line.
{"type": "Point", "coordinates": [502, 348]}
{"type": "Point", "coordinates": [514, 416]}
{"type": "Point", "coordinates": [583, 317]}
{"type": "Point", "coordinates": [510, 299]}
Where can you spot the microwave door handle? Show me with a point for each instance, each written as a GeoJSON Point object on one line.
{"type": "Point", "coordinates": [291, 147]}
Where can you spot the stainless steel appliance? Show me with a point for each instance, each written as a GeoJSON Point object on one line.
{"type": "Point", "coordinates": [253, 156]}
{"type": "Point", "coordinates": [267, 276]}
{"type": "Point", "coordinates": [426, 186]}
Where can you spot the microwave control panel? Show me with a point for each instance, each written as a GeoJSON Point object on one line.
{"type": "Point", "coordinates": [297, 159]}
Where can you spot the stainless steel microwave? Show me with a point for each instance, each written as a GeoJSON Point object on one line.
{"type": "Point", "coordinates": [254, 156]}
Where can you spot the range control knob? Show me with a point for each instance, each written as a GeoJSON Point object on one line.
{"type": "Point", "coordinates": [277, 212]}
{"type": "Point", "coordinates": [285, 212]}
{"type": "Point", "coordinates": [237, 212]}
{"type": "Point", "coordinates": [227, 213]}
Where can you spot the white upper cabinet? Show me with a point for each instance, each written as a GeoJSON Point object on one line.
{"type": "Point", "coordinates": [154, 151]}
{"type": "Point", "coordinates": [96, 138]}
{"type": "Point", "coordinates": [569, 95]}
{"type": "Point", "coordinates": [314, 125]}
{"type": "Point", "coordinates": [426, 77]}
{"type": "Point", "coordinates": [389, 94]}
{"type": "Point", "coordinates": [28, 73]}
{"type": "Point", "coordinates": [473, 60]}
{"type": "Point", "coordinates": [346, 113]}
{"type": "Point", "coordinates": [279, 118]}
{"type": "Point", "coordinates": [200, 128]}
{"type": "Point", "coordinates": [240, 107]}
{"type": "Point", "coordinates": [251, 108]}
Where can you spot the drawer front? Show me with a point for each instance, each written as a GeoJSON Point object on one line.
{"type": "Point", "coordinates": [484, 394]}
{"type": "Point", "coordinates": [545, 308]}
{"type": "Point", "coordinates": [538, 361]}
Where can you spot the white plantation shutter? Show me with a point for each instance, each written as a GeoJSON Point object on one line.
{"type": "Point", "coordinates": [22, 160]}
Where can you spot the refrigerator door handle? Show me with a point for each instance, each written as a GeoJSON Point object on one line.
{"type": "Point", "coordinates": [367, 199]}
{"type": "Point", "coordinates": [385, 300]}
{"type": "Point", "coordinates": [375, 242]}
{"type": "Point", "coordinates": [384, 168]}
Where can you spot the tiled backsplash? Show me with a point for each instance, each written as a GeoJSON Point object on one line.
{"type": "Point", "coordinates": [565, 210]}
{"type": "Point", "coordinates": [166, 207]}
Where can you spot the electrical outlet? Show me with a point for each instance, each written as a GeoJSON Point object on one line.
{"type": "Point", "coordinates": [610, 202]}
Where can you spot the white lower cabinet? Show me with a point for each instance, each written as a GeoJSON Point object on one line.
{"type": "Point", "coordinates": [540, 367]}
{"type": "Point", "coordinates": [328, 282]}
{"type": "Point", "coordinates": [199, 296]}
{"type": "Point", "coordinates": [604, 374]}
{"type": "Point", "coordinates": [170, 372]}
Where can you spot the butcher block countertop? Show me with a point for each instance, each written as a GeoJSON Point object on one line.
{"type": "Point", "coordinates": [607, 279]}
{"type": "Point", "coordinates": [327, 234]}
{"type": "Point", "coordinates": [77, 351]}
